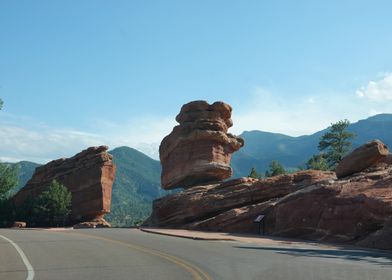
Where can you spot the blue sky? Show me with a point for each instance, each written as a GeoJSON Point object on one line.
{"type": "Point", "coordinates": [81, 73]}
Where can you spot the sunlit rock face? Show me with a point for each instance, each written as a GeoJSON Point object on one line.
{"type": "Point", "coordinates": [362, 158]}
{"type": "Point", "coordinates": [198, 150]}
{"type": "Point", "coordinates": [89, 177]}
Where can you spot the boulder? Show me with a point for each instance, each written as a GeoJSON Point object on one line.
{"type": "Point", "coordinates": [198, 150]}
{"type": "Point", "coordinates": [352, 210]}
{"type": "Point", "coordinates": [88, 175]}
{"type": "Point", "coordinates": [362, 158]}
{"type": "Point", "coordinates": [19, 224]}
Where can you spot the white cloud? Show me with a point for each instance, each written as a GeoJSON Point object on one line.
{"type": "Point", "coordinates": [23, 138]}
{"type": "Point", "coordinates": [283, 114]}
{"type": "Point", "coordinates": [311, 100]}
{"type": "Point", "coordinates": [377, 91]}
{"type": "Point", "coordinates": [40, 143]}
{"type": "Point", "coordinates": [299, 115]}
{"type": "Point", "coordinates": [144, 133]}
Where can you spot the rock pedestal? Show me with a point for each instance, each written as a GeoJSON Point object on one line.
{"type": "Point", "coordinates": [88, 175]}
{"type": "Point", "coordinates": [198, 150]}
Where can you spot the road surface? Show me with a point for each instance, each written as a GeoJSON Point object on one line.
{"type": "Point", "coordinates": [131, 254]}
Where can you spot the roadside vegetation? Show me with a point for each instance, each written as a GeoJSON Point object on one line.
{"type": "Point", "coordinates": [51, 208]}
{"type": "Point", "coordinates": [333, 146]}
{"type": "Point", "coordinates": [275, 168]}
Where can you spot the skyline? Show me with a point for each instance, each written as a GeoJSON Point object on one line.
{"type": "Point", "coordinates": [78, 74]}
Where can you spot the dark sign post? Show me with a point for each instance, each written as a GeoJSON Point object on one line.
{"type": "Point", "coordinates": [260, 220]}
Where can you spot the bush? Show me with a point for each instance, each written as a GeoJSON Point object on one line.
{"type": "Point", "coordinates": [275, 168]}
{"type": "Point", "coordinates": [317, 162]}
{"type": "Point", "coordinates": [8, 179]}
{"type": "Point", "coordinates": [254, 174]}
{"type": "Point", "coordinates": [52, 206]}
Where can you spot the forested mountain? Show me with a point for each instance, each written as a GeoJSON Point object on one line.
{"type": "Point", "coordinates": [263, 147]}
{"type": "Point", "coordinates": [137, 184]}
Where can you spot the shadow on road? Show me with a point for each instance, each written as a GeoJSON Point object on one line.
{"type": "Point", "coordinates": [373, 257]}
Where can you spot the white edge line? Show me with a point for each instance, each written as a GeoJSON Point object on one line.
{"type": "Point", "coordinates": [30, 269]}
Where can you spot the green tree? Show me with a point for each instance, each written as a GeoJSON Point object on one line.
{"type": "Point", "coordinates": [317, 162]}
{"type": "Point", "coordinates": [336, 143]}
{"type": "Point", "coordinates": [275, 168]}
{"type": "Point", "coordinates": [53, 205]}
{"type": "Point", "coordinates": [8, 179]}
{"type": "Point", "coordinates": [1, 104]}
{"type": "Point", "coordinates": [254, 174]}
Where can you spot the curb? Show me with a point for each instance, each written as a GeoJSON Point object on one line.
{"type": "Point", "coordinates": [185, 236]}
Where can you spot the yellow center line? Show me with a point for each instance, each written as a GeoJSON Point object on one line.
{"type": "Point", "coordinates": [196, 272]}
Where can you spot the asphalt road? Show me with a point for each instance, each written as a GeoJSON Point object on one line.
{"type": "Point", "coordinates": [131, 254]}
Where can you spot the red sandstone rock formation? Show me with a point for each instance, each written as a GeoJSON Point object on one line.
{"type": "Point", "coordinates": [199, 149]}
{"type": "Point", "coordinates": [88, 175]}
{"type": "Point", "coordinates": [309, 204]}
{"type": "Point", "coordinates": [361, 158]}
{"type": "Point", "coordinates": [388, 159]}
{"type": "Point", "coordinates": [203, 202]}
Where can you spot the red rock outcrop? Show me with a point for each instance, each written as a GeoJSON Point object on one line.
{"type": "Point", "coordinates": [202, 202]}
{"type": "Point", "coordinates": [88, 175]}
{"type": "Point", "coordinates": [199, 149]}
{"type": "Point", "coordinates": [362, 158]}
{"type": "Point", "coordinates": [310, 204]}
{"type": "Point", "coordinates": [388, 159]}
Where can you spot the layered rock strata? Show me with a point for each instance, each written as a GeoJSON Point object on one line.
{"type": "Point", "coordinates": [310, 204]}
{"type": "Point", "coordinates": [198, 150]}
{"type": "Point", "coordinates": [88, 175]}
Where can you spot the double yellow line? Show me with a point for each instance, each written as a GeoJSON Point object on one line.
{"type": "Point", "coordinates": [196, 272]}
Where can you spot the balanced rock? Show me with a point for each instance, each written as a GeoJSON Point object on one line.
{"type": "Point", "coordinates": [198, 150]}
{"type": "Point", "coordinates": [88, 175]}
{"type": "Point", "coordinates": [362, 158]}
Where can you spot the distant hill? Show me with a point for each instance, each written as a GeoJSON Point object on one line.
{"type": "Point", "coordinates": [263, 147]}
{"type": "Point", "coordinates": [137, 184]}
{"type": "Point", "coordinates": [26, 170]}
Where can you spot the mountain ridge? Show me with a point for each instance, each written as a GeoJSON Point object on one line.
{"type": "Point", "coordinates": [262, 147]}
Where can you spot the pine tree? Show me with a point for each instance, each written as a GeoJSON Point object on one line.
{"type": "Point", "coordinates": [275, 168]}
{"type": "Point", "coordinates": [52, 205]}
{"type": "Point", "coordinates": [8, 179]}
{"type": "Point", "coordinates": [254, 174]}
{"type": "Point", "coordinates": [317, 162]}
{"type": "Point", "coordinates": [336, 143]}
